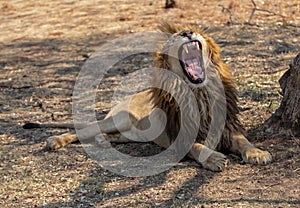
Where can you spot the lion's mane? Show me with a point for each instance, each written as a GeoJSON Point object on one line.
{"type": "Point", "coordinates": [216, 72]}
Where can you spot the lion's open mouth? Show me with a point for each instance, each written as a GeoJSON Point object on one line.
{"type": "Point", "coordinates": [191, 60]}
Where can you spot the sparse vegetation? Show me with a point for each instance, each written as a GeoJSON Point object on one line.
{"type": "Point", "coordinates": [43, 45]}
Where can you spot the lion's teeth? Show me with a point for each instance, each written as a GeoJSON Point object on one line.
{"type": "Point", "coordinates": [185, 49]}
{"type": "Point", "coordinates": [197, 45]}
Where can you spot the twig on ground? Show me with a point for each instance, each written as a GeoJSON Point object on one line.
{"type": "Point", "coordinates": [228, 10]}
{"type": "Point", "coordinates": [255, 8]}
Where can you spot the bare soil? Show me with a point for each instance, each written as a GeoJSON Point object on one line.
{"type": "Point", "coordinates": [43, 46]}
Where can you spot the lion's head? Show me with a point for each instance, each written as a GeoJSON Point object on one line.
{"type": "Point", "coordinates": [192, 55]}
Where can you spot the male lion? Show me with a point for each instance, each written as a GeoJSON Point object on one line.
{"type": "Point", "coordinates": [198, 72]}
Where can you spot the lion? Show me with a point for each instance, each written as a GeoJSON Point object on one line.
{"type": "Point", "coordinates": [189, 69]}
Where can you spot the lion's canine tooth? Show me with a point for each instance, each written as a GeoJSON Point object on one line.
{"type": "Point", "coordinates": [197, 45]}
{"type": "Point", "coordinates": [185, 49]}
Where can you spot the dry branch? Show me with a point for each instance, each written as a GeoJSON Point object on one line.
{"type": "Point", "coordinates": [228, 10]}
{"type": "Point", "coordinates": [255, 8]}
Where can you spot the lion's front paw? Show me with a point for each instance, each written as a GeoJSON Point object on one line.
{"type": "Point", "coordinates": [54, 143]}
{"type": "Point", "coordinates": [215, 162]}
{"type": "Point", "coordinates": [256, 156]}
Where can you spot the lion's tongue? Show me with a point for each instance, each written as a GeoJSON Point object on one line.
{"type": "Point", "coordinates": [191, 55]}
{"type": "Point", "coordinates": [194, 69]}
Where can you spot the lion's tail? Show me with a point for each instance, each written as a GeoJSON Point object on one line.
{"type": "Point", "coordinates": [53, 125]}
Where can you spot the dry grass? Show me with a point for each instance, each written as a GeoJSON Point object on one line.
{"type": "Point", "coordinates": [44, 44]}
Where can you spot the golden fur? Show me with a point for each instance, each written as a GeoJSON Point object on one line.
{"type": "Point", "coordinates": [142, 105]}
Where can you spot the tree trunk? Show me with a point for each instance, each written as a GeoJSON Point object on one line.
{"type": "Point", "coordinates": [286, 119]}
{"type": "Point", "coordinates": [170, 4]}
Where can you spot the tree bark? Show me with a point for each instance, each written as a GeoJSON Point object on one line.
{"type": "Point", "coordinates": [286, 119]}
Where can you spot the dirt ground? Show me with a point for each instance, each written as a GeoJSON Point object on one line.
{"type": "Point", "coordinates": [43, 46]}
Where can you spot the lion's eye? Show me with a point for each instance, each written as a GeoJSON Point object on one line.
{"type": "Point", "coordinates": [187, 33]}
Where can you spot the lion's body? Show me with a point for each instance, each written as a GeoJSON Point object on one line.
{"type": "Point", "coordinates": [137, 110]}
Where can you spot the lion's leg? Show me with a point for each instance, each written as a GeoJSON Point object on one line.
{"type": "Point", "coordinates": [56, 142]}
{"type": "Point", "coordinates": [248, 151]}
{"type": "Point", "coordinates": [121, 122]}
{"type": "Point", "coordinates": [209, 159]}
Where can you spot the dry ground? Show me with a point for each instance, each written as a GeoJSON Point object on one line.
{"type": "Point", "coordinates": [42, 48]}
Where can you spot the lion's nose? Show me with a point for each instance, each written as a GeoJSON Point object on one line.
{"type": "Point", "coordinates": [187, 33]}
